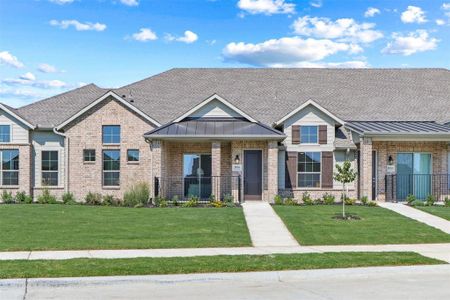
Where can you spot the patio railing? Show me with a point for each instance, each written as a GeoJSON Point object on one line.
{"type": "Point", "coordinates": [200, 186]}
{"type": "Point", "coordinates": [399, 186]}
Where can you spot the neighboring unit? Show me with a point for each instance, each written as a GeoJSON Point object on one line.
{"type": "Point", "coordinates": [248, 133]}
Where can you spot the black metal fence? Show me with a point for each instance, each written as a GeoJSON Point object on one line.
{"type": "Point", "coordinates": [399, 186]}
{"type": "Point", "coordinates": [199, 186]}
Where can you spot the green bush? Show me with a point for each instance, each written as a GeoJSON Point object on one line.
{"type": "Point", "coordinates": [306, 198]}
{"type": "Point", "coordinates": [228, 198]}
{"type": "Point", "coordinates": [46, 197]}
{"type": "Point", "coordinates": [410, 198]}
{"type": "Point", "coordinates": [7, 197]}
{"type": "Point", "coordinates": [349, 201]}
{"type": "Point", "coordinates": [278, 200]}
{"type": "Point", "coordinates": [192, 202]}
{"type": "Point", "coordinates": [430, 200]}
{"type": "Point", "coordinates": [216, 204]}
{"type": "Point", "coordinates": [163, 203]}
{"type": "Point", "coordinates": [93, 199]}
{"type": "Point", "coordinates": [110, 200]}
{"type": "Point", "coordinates": [417, 203]}
{"type": "Point", "coordinates": [328, 199]}
{"type": "Point", "coordinates": [364, 200]}
{"type": "Point", "coordinates": [21, 197]}
{"type": "Point", "coordinates": [318, 201]}
{"type": "Point", "coordinates": [28, 199]}
{"type": "Point", "coordinates": [175, 200]}
{"type": "Point", "coordinates": [290, 201]}
{"type": "Point", "coordinates": [68, 198]}
{"type": "Point", "coordinates": [447, 201]}
{"type": "Point", "coordinates": [137, 194]}
{"type": "Point", "coordinates": [372, 203]}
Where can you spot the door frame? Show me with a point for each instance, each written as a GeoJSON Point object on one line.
{"type": "Point", "coordinates": [374, 171]}
{"type": "Point", "coordinates": [262, 171]}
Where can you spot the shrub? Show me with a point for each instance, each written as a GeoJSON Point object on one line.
{"type": "Point", "coordinates": [318, 201]}
{"type": "Point", "coordinates": [216, 204]}
{"type": "Point", "coordinates": [349, 201]}
{"type": "Point", "coordinates": [159, 202]}
{"type": "Point", "coordinates": [68, 198]}
{"type": "Point", "coordinates": [278, 200]}
{"type": "Point", "coordinates": [192, 202]}
{"type": "Point", "coordinates": [372, 203]}
{"type": "Point", "coordinates": [21, 197]}
{"type": "Point", "coordinates": [364, 200]}
{"type": "Point", "coordinates": [28, 199]}
{"type": "Point", "coordinates": [328, 199]}
{"type": "Point", "coordinates": [447, 201]}
{"type": "Point", "coordinates": [306, 198]}
{"type": "Point", "coordinates": [290, 201]}
{"type": "Point", "coordinates": [163, 203]}
{"type": "Point", "coordinates": [417, 203]}
{"type": "Point", "coordinates": [46, 197]}
{"type": "Point", "coordinates": [175, 200]}
{"type": "Point", "coordinates": [228, 199]}
{"type": "Point", "coordinates": [7, 197]}
{"type": "Point", "coordinates": [410, 198]}
{"type": "Point", "coordinates": [110, 200]}
{"type": "Point", "coordinates": [430, 200]}
{"type": "Point", "coordinates": [93, 199]}
{"type": "Point", "coordinates": [137, 194]}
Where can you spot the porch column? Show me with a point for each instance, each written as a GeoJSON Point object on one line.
{"type": "Point", "coordinates": [157, 167]}
{"type": "Point", "coordinates": [272, 170]}
{"type": "Point", "coordinates": [366, 167]}
{"type": "Point", "coordinates": [216, 170]}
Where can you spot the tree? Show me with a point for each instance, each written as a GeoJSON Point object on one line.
{"type": "Point", "coordinates": [345, 175]}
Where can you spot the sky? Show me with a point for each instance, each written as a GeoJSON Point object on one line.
{"type": "Point", "coordinates": [50, 46]}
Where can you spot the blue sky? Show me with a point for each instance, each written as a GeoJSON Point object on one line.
{"type": "Point", "coordinates": [50, 46]}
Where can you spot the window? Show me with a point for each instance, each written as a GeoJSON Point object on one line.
{"type": "Point", "coordinates": [50, 168]}
{"type": "Point", "coordinates": [111, 134]}
{"type": "Point", "coordinates": [309, 169]}
{"type": "Point", "coordinates": [111, 167]}
{"type": "Point", "coordinates": [308, 134]}
{"type": "Point", "coordinates": [133, 155]}
{"type": "Point", "coordinates": [89, 155]}
{"type": "Point", "coordinates": [10, 167]}
{"type": "Point", "coordinates": [5, 133]}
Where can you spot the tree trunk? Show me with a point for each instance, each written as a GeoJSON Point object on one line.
{"type": "Point", "coordinates": [343, 200]}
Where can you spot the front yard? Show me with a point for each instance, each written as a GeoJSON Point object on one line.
{"type": "Point", "coordinates": [440, 211]}
{"type": "Point", "coordinates": [71, 227]}
{"type": "Point", "coordinates": [314, 225]}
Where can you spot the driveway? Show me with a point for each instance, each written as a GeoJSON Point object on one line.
{"type": "Point", "coordinates": [424, 282]}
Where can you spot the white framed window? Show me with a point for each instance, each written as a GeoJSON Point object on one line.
{"type": "Point", "coordinates": [111, 167]}
{"type": "Point", "coordinates": [309, 169]}
{"type": "Point", "coordinates": [50, 168]}
{"type": "Point", "coordinates": [309, 134]}
{"type": "Point", "coordinates": [5, 133]}
{"type": "Point", "coordinates": [133, 155]}
{"type": "Point", "coordinates": [9, 167]}
{"type": "Point", "coordinates": [111, 134]}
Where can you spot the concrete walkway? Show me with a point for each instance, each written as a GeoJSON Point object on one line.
{"type": "Point", "coordinates": [265, 226]}
{"type": "Point", "coordinates": [418, 215]}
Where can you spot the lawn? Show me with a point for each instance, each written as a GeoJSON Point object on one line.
{"type": "Point", "coordinates": [205, 264]}
{"type": "Point", "coordinates": [440, 211]}
{"type": "Point", "coordinates": [314, 225]}
{"type": "Point", "coordinates": [58, 227]}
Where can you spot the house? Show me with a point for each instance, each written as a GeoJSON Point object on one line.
{"type": "Point", "coordinates": [250, 133]}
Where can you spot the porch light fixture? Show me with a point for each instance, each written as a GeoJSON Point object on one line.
{"type": "Point", "coordinates": [390, 160]}
{"type": "Point", "coordinates": [237, 160]}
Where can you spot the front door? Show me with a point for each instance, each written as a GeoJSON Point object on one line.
{"type": "Point", "coordinates": [252, 175]}
{"type": "Point", "coordinates": [413, 175]}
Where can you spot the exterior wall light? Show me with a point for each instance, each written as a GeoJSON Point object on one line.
{"type": "Point", "coordinates": [390, 160]}
{"type": "Point", "coordinates": [237, 160]}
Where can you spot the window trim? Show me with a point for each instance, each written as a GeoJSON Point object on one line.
{"type": "Point", "coordinates": [1, 169]}
{"type": "Point", "coordinates": [89, 161]}
{"type": "Point", "coordinates": [110, 171]}
{"type": "Point", "coordinates": [120, 134]}
{"type": "Point", "coordinates": [317, 135]}
{"type": "Point", "coordinates": [10, 133]}
{"type": "Point", "coordinates": [58, 183]}
{"type": "Point", "coordinates": [320, 173]}
{"type": "Point", "coordinates": [134, 161]}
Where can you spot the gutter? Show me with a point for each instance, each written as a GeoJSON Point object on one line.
{"type": "Point", "coordinates": [66, 158]}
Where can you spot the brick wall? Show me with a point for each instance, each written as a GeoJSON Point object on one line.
{"type": "Point", "coordinates": [24, 168]}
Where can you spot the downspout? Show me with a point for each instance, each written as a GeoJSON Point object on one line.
{"type": "Point", "coordinates": [66, 158]}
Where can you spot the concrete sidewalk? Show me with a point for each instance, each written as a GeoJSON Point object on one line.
{"type": "Point", "coordinates": [418, 215]}
{"type": "Point", "coordinates": [265, 226]}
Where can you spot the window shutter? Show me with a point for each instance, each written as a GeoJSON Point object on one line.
{"type": "Point", "coordinates": [291, 170]}
{"type": "Point", "coordinates": [295, 134]}
{"type": "Point", "coordinates": [327, 170]}
{"type": "Point", "coordinates": [322, 134]}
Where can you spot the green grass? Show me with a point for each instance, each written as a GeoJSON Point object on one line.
{"type": "Point", "coordinates": [440, 211]}
{"type": "Point", "coordinates": [206, 264]}
{"type": "Point", "coordinates": [58, 227]}
{"type": "Point", "coordinates": [314, 225]}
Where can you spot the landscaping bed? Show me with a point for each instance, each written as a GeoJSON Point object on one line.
{"type": "Point", "coordinates": [315, 225]}
{"type": "Point", "coordinates": [205, 264]}
{"type": "Point", "coordinates": [71, 227]}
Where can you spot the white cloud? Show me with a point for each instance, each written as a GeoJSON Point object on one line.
{"type": "Point", "coordinates": [371, 11]}
{"type": "Point", "coordinates": [413, 42]}
{"type": "Point", "coordinates": [28, 76]}
{"type": "Point", "coordinates": [413, 14]}
{"type": "Point", "coordinates": [130, 2]}
{"type": "Point", "coordinates": [64, 24]}
{"type": "Point", "coordinates": [446, 6]}
{"type": "Point", "coordinates": [46, 68]}
{"type": "Point", "coordinates": [316, 3]}
{"type": "Point", "coordinates": [61, 2]}
{"type": "Point", "coordinates": [28, 79]}
{"type": "Point", "coordinates": [188, 37]}
{"type": "Point", "coordinates": [266, 7]}
{"type": "Point", "coordinates": [285, 51]}
{"type": "Point", "coordinates": [354, 64]}
{"type": "Point", "coordinates": [7, 58]}
{"type": "Point", "coordinates": [145, 35]}
{"type": "Point", "coordinates": [440, 22]}
{"type": "Point", "coordinates": [345, 29]}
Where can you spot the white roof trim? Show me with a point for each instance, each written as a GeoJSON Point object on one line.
{"type": "Point", "coordinates": [105, 96]}
{"type": "Point", "coordinates": [315, 104]}
{"type": "Point", "coordinates": [12, 113]}
{"type": "Point", "coordinates": [206, 101]}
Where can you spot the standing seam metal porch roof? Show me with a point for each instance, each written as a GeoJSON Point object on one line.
{"type": "Point", "coordinates": [398, 127]}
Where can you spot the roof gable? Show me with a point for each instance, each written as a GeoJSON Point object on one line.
{"type": "Point", "coordinates": [12, 112]}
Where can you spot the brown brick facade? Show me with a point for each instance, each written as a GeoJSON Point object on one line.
{"type": "Point", "coordinates": [24, 168]}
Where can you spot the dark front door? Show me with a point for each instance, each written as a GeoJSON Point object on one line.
{"type": "Point", "coordinates": [253, 175]}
